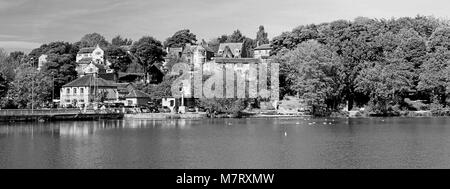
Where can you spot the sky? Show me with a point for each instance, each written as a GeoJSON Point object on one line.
{"type": "Point", "coordinates": [26, 24]}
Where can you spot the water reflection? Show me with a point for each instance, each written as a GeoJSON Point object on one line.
{"type": "Point", "coordinates": [228, 143]}
{"type": "Point", "coordinates": [90, 127]}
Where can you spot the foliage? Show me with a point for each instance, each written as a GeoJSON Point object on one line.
{"type": "Point", "coordinates": [385, 82]}
{"type": "Point", "coordinates": [10, 63]}
{"type": "Point", "coordinates": [378, 62]}
{"type": "Point", "coordinates": [180, 39]}
{"type": "Point", "coordinates": [223, 105]}
{"type": "Point", "coordinates": [160, 90]}
{"type": "Point", "coordinates": [92, 40]}
{"type": "Point", "coordinates": [3, 85]}
{"type": "Point", "coordinates": [119, 41]}
{"type": "Point", "coordinates": [118, 57]}
{"type": "Point", "coordinates": [261, 36]}
{"type": "Point", "coordinates": [61, 70]}
{"type": "Point", "coordinates": [172, 59]}
{"type": "Point", "coordinates": [313, 72]}
{"type": "Point", "coordinates": [435, 75]}
{"type": "Point", "coordinates": [30, 88]}
{"type": "Point", "coordinates": [148, 51]}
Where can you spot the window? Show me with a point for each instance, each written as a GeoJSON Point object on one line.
{"type": "Point", "coordinates": [81, 90]}
{"type": "Point", "coordinates": [130, 102]}
{"type": "Point", "coordinates": [74, 90]}
{"type": "Point", "coordinates": [68, 91]}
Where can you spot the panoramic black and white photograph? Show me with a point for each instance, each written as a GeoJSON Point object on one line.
{"type": "Point", "coordinates": [236, 84]}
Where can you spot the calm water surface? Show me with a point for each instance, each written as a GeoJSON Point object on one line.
{"type": "Point", "coordinates": [229, 143]}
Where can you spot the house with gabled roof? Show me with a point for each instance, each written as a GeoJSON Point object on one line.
{"type": "Point", "coordinates": [137, 98]}
{"type": "Point", "coordinates": [230, 50]}
{"type": "Point", "coordinates": [86, 90]}
{"type": "Point", "coordinates": [262, 51]}
{"type": "Point", "coordinates": [90, 68]}
{"type": "Point", "coordinates": [197, 54]}
{"type": "Point", "coordinates": [90, 54]}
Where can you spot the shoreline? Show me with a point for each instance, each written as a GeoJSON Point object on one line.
{"type": "Point", "coordinates": [199, 115]}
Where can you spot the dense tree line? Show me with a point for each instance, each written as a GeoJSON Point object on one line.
{"type": "Point", "coordinates": [369, 63]}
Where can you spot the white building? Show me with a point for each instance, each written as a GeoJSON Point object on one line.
{"type": "Point", "coordinates": [91, 54]}
{"type": "Point", "coordinates": [230, 50]}
{"type": "Point", "coordinates": [86, 90]}
{"type": "Point", "coordinates": [262, 51]}
{"type": "Point", "coordinates": [42, 60]}
{"type": "Point", "coordinates": [197, 54]}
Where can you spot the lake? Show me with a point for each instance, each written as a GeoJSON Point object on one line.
{"type": "Point", "coordinates": [229, 143]}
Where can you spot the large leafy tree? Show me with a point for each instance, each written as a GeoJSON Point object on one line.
{"type": "Point", "coordinates": [93, 39]}
{"type": "Point", "coordinates": [353, 43]}
{"type": "Point", "coordinates": [120, 41]}
{"type": "Point", "coordinates": [148, 51]}
{"type": "Point", "coordinates": [9, 64]}
{"type": "Point", "coordinates": [386, 83]}
{"type": "Point", "coordinates": [434, 78]}
{"type": "Point", "coordinates": [313, 71]}
{"type": "Point", "coordinates": [180, 39]}
{"type": "Point", "coordinates": [30, 88]}
{"type": "Point", "coordinates": [289, 40]}
{"type": "Point", "coordinates": [215, 42]}
{"type": "Point", "coordinates": [61, 70]}
{"type": "Point", "coordinates": [57, 48]}
{"type": "Point", "coordinates": [261, 36]}
{"type": "Point", "coordinates": [435, 73]}
{"type": "Point", "coordinates": [3, 85]}
{"type": "Point", "coordinates": [119, 58]}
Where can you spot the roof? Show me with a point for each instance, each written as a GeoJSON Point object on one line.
{"type": "Point", "coordinates": [85, 60]}
{"type": "Point", "coordinates": [107, 76]}
{"type": "Point", "coordinates": [86, 50]}
{"type": "Point", "coordinates": [227, 52]}
{"type": "Point", "coordinates": [174, 50]}
{"type": "Point", "coordinates": [264, 47]}
{"type": "Point", "coordinates": [122, 85]}
{"type": "Point", "coordinates": [232, 46]}
{"type": "Point", "coordinates": [125, 86]}
{"type": "Point", "coordinates": [123, 74]}
{"type": "Point", "coordinates": [236, 60]}
{"type": "Point", "coordinates": [207, 48]}
{"type": "Point", "coordinates": [137, 94]}
{"type": "Point", "coordinates": [90, 80]}
{"type": "Point", "coordinates": [192, 48]}
{"type": "Point", "coordinates": [100, 66]}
